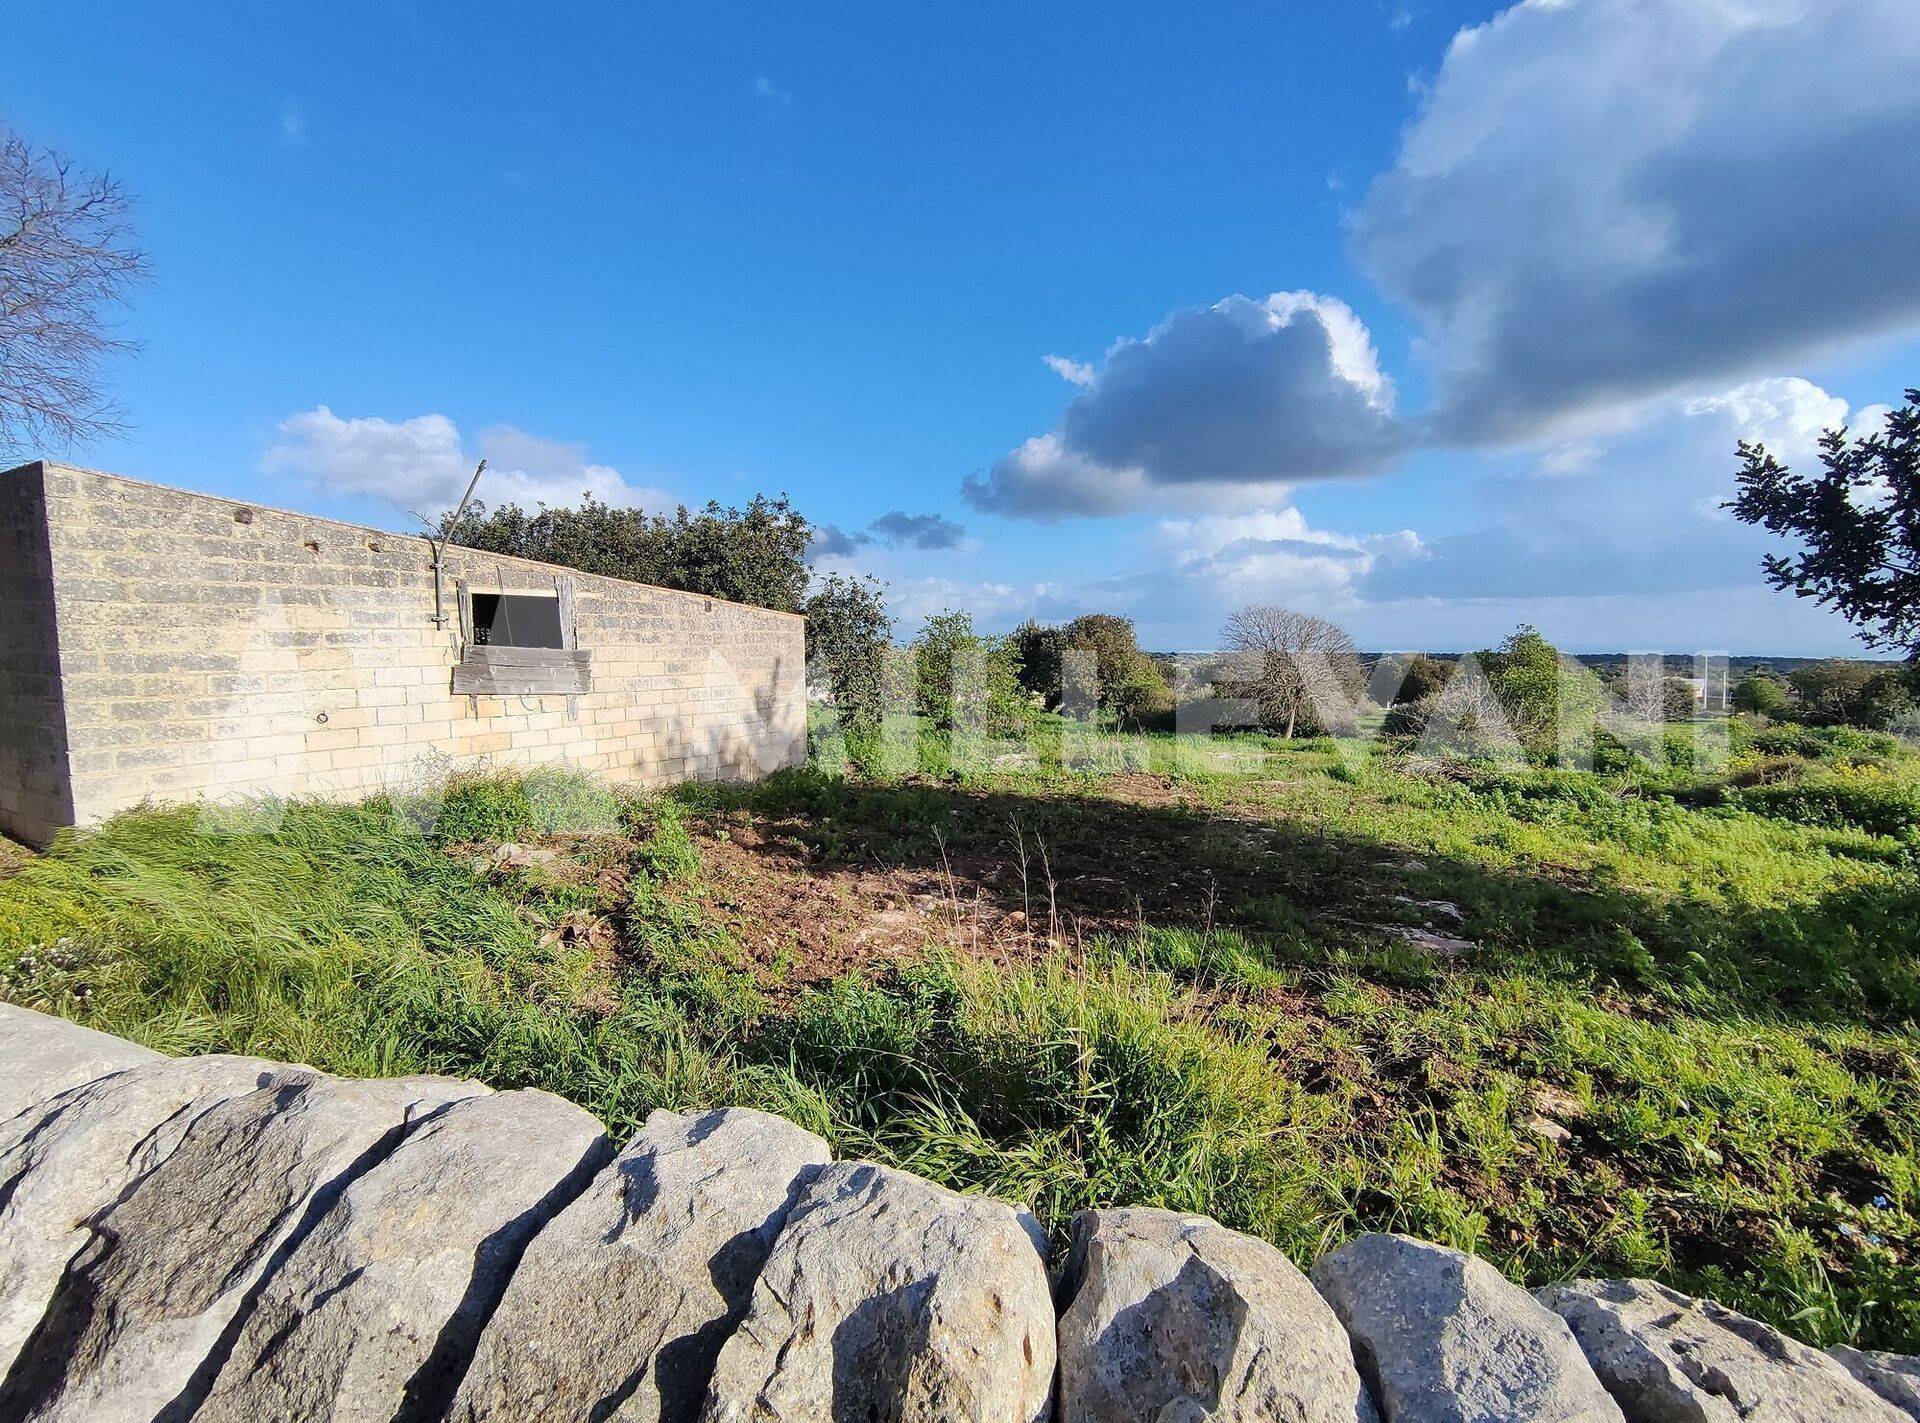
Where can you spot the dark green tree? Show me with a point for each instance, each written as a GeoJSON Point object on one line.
{"type": "Point", "coordinates": [1761, 695]}
{"type": "Point", "coordinates": [1858, 522]}
{"type": "Point", "coordinates": [1830, 690]}
{"type": "Point", "coordinates": [1131, 683]}
{"type": "Point", "coordinates": [1889, 698]}
{"type": "Point", "coordinates": [752, 555]}
{"type": "Point", "coordinates": [1040, 650]}
{"type": "Point", "coordinates": [848, 634]}
{"type": "Point", "coordinates": [1422, 677]}
{"type": "Point", "coordinates": [1541, 692]}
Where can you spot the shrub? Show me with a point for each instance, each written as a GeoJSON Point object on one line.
{"type": "Point", "coordinates": [1408, 718]}
{"type": "Point", "coordinates": [1859, 800]}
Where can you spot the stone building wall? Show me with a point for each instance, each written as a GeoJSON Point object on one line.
{"type": "Point", "coordinates": [209, 648]}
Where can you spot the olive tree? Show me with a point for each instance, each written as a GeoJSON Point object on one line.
{"type": "Point", "coordinates": [1302, 671]}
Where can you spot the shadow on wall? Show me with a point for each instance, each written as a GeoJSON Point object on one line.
{"type": "Point", "coordinates": [742, 744]}
{"type": "Point", "coordinates": [36, 784]}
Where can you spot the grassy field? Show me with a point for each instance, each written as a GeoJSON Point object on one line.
{"type": "Point", "coordinates": [1655, 1021]}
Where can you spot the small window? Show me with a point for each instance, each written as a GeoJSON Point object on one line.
{"type": "Point", "coordinates": [521, 644]}
{"type": "Point", "coordinates": [516, 620]}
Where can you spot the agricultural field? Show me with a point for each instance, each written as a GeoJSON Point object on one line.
{"type": "Point", "coordinates": [1656, 1019]}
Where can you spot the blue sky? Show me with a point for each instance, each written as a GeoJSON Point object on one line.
{"type": "Point", "coordinates": [1508, 298]}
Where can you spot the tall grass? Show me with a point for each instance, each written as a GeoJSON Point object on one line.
{"type": "Point", "coordinates": [1292, 1084]}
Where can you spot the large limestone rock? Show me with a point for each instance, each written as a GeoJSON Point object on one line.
{"type": "Point", "coordinates": [889, 1298]}
{"type": "Point", "coordinates": [44, 1056]}
{"type": "Point", "coordinates": [375, 1313]}
{"type": "Point", "coordinates": [77, 1153]}
{"type": "Point", "coordinates": [1668, 1357]}
{"type": "Point", "coordinates": [1895, 1377]}
{"type": "Point", "coordinates": [1444, 1337]}
{"type": "Point", "coordinates": [1175, 1317]}
{"type": "Point", "coordinates": [142, 1317]}
{"type": "Point", "coordinates": [622, 1302]}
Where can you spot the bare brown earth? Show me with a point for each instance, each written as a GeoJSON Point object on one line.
{"type": "Point", "coordinates": [1004, 880]}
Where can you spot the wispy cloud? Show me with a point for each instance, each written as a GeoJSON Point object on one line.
{"type": "Point", "coordinates": [293, 122]}
{"type": "Point", "coordinates": [764, 88]}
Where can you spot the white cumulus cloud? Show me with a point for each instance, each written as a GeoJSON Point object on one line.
{"type": "Point", "coordinates": [1242, 396]}
{"type": "Point", "coordinates": [422, 465]}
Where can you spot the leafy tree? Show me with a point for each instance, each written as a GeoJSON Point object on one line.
{"type": "Point", "coordinates": [958, 673]}
{"type": "Point", "coordinates": [1129, 681]}
{"type": "Point", "coordinates": [1539, 690]}
{"type": "Point", "coordinates": [1040, 651]}
{"type": "Point", "coordinates": [67, 257]}
{"type": "Point", "coordinates": [751, 555]}
{"type": "Point", "coordinates": [1830, 690]}
{"type": "Point", "coordinates": [1889, 699]}
{"type": "Point", "coordinates": [1761, 695]}
{"type": "Point", "coordinates": [848, 634]}
{"type": "Point", "coordinates": [1401, 680]}
{"type": "Point", "coordinates": [1302, 671]}
{"type": "Point", "coordinates": [1858, 521]}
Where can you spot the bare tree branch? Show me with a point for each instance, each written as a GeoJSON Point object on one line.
{"type": "Point", "coordinates": [67, 256]}
{"type": "Point", "coordinates": [1298, 668]}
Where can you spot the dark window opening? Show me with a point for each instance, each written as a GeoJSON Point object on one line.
{"type": "Point", "coordinates": [516, 620]}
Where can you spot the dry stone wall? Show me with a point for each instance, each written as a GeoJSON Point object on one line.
{"type": "Point", "coordinates": [225, 1238]}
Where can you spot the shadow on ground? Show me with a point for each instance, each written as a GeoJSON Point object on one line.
{"type": "Point", "coordinates": [1010, 874]}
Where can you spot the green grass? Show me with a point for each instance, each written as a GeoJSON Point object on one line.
{"type": "Point", "coordinates": [1713, 990]}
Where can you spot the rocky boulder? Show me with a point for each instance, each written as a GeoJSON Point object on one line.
{"type": "Point", "coordinates": [1895, 1377]}
{"type": "Point", "coordinates": [622, 1302]}
{"type": "Point", "coordinates": [46, 1055]}
{"type": "Point", "coordinates": [889, 1298]}
{"type": "Point", "coordinates": [378, 1309]}
{"type": "Point", "coordinates": [1443, 1337]}
{"type": "Point", "coordinates": [1169, 1316]}
{"type": "Point", "coordinates": [139, 1323]}
{"type": "Point", "coordinates": [76, 1153]}
{"type": "Point", "coordinates": [1667, 1356]}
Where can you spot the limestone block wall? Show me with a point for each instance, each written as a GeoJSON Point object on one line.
{"type": "Point", "coordinates": [209, 648]}
{"type": "Point", "coordinates": [227, 1239]}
